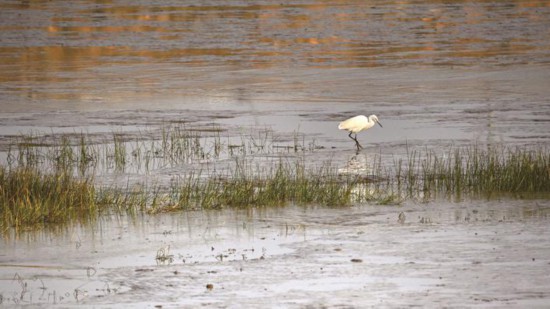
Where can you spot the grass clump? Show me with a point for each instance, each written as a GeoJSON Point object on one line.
{"type": "Point", "coordinates": [30, 198]}
{"type": "Point", "coordinates": [509, 171]}
{"type": "Point", "coordinates": [289, 183]}
{"type": "Point", "coordinates": [475, 170]}
{"type": "Point", "coordinates": [286, 183]}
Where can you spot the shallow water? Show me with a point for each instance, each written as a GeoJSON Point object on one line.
{"type": "Point", "coordinates": [436, 73]}
{"type": "Point", "coordinates": [130, 54]}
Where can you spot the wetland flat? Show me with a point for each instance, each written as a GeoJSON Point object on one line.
{"type": "Point", "coordinates": [255, 84]}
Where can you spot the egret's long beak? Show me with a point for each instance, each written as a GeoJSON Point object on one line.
{"type": "Point", "coordinates": [379, 124]}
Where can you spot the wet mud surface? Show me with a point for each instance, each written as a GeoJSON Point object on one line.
{"type": "Point", "coordinates": [471, 253]}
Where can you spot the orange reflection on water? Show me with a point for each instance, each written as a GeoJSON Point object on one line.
{"type": "Point", "coordinates": [68, 45]}
{"type": "Point", "coordinates": [103, 29]}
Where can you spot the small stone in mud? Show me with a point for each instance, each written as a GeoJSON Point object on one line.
{"type": "Point", "coordinates": [209, 286]}
{"type": "Point", "coordinates": [401, 218]}
{"type": "Point", "coordinates": [424, 220]}
{"type": "Point", "coordinates": [357, 260]}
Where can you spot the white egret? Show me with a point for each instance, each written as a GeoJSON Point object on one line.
{"type": "Point", "coordinates": [357, 124]}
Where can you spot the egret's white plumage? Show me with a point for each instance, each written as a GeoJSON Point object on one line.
{"type": "Point", "coordinates": [357, 124]}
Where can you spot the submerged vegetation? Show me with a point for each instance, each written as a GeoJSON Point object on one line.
{"type": "Point", "coordinates": [61, 179]}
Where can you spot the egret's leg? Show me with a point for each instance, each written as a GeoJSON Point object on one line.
{"type": "Point", "coordinates": [357, 143]}
{"type": "Point", "coordinates": [355, 139]}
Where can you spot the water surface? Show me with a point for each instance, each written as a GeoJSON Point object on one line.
{"type": "Point", "coordinates": [108, 54]}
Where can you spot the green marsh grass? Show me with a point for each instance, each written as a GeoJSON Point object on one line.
{"type": "Point", "coordinates": [31, 198]}
{"type": "Point", "coordinates": [282, 184]}
{"type": "Point", "coordinates": [49, 181]}
{"type": "Point", "coordinates": [476, 170]}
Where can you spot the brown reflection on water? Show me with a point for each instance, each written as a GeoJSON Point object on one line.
{"type": "Point", "coordinates": [52, 49]}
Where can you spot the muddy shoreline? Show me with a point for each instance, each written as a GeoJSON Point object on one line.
{"type": "Point", "coordinates": [470, 253]}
